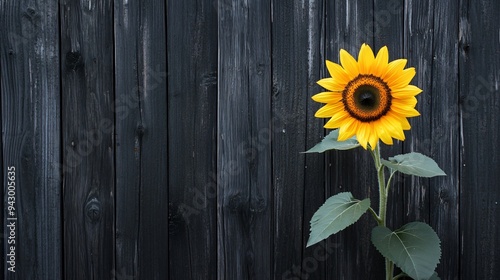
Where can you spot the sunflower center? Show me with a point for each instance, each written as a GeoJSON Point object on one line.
{"type": "Point", "coordinates": [367, 98]}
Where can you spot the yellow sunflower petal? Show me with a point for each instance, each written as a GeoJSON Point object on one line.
{"type": "Point", "coordinates": [403, 80]}
{"type": "Point", "coordinates": [382, 132]}
{"type": "Point", "coordinates": [365, 59]}
{"type": "Point", "coordinates": [349, 63]}
{"type": "Point", "coordinates": [336, 120]}
{"type": "Point", "coordinates": [381, 61]}
{"type": "Point", "coordinates": [372, 136]}
{"type": "Point", "coordinates": [328, 110]}
{"type": "Point", "coordinates": [393, 127]}
{"type": "Point", "coordinates": [363, 134]}
{"type": "Point", "coordinates": [348, 129]}
{"type": "Point", "coordinates": [404, 110]}
{"type": "Point", "coordinates": [338, 72]}
{"type": "Point", "coordinates": [394, 69]}
{"type": "Point", "coordinates": [409, 101]}
{"type": "Point", "coordinates": [409, 90]}
{"type": "Point", "coordinates": [405, 125]}
{"type": "Point", "coordinates": [331, 85]}
{"type": "Point", "coordinates": [327, 97]}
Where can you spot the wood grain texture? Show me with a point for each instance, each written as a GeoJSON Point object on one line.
{"type": "Point", "coordinates": [192, 114]}
{"type": "Point", "coordinates": [88, 141]}
{"type": "Point", "coordinates": [141, 123]}
{"type": "Point", "coordinates": [418, 49]}
{"type": "Point", "coordinates": [444, 146]}
{"type": "Point", "coordinates": [29, 63]}
{"type": "Point", "coordinates": [351, 24]}
{"type": "Point", "coordinates": [244, 154]}
{"type": "Point", "coordinates": [142, 243]}
{"type": "Point", "coordinates": [479, 62]}
{"type": "Point", "coordinates": [299, 184]}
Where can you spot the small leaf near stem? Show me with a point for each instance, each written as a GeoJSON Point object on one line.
{"type": "Point", "coordinates": [374, 214]}
{"type": "Point", "coordinates": [401, 275]}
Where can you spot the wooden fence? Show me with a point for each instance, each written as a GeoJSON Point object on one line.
{"type": "Point", "coordinates": [161, 139]}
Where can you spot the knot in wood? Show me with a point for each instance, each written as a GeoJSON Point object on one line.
{"type": "Point", "coordinates": [140, 130]}
{"type": "Point", "coordinates": [93, 210]}
{"type": "Point", "coordinates": [74, 60]}
{"type": "Point", "coordinates": [236, 202]}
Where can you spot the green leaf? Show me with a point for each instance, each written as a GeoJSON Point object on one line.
{"type": "Point", "coordinates": [435, 277]}
{"type": "Point", "coordinates": [415, 248]}
{"type": "Point", "coordinates": [414, 164]}
{"type": "Point", "coordinates": [330, 143]}
{"type": "Point", "coordinates": [337, 213]}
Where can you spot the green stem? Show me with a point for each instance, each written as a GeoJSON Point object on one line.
{"type": "Point", "coordinates": [389, 269]}
{"type": "Point", "coordinates": [383, 194]}
{"type": "Point", "coordinates": [381, 186]}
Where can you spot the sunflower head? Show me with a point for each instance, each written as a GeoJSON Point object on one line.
{"type": "Point", "coordinates": [370, 98]}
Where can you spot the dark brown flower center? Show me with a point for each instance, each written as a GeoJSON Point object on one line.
{"type": "Point", "coordinates": [367, 98]}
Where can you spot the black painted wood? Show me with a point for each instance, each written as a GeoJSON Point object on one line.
{"type": "Point", "coordinates": [299, 184]}
{"type": "Point", "coordinates": [479, 163]}
{"type": "Point", "coordinates": [244, 199]}
{"type": "Point", "coordinates": [29, 63]}
{"type": "Point", "coordinates": [192, 142]}
{"type": "Point", "coordinates": [88, 139]}
{"type": "Point", "coordinates": [445, 138]}
{"type": "Point", "coordinates": [162, 139]}
{"type": "Point", "coordinates": [141, 149]}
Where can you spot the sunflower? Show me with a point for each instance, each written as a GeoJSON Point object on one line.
{"type": "Point", "coordinates": [370, 98]}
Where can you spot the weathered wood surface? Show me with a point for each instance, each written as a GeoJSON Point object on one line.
{"type": "Point", "coordinates": [244, 198]}
{"type": "Point", "coordinates": [192, 142]}
{"type": "Point", "coordinates": [298, 179]}
{"type": "Point", "coordinates": [479, 104]}
{"type": "Point", "coordinates": [88, 140]}
{"type": "Point", "coordinates": [162, 139]}
{"type": "Point", "coordinates": [141, 140]}
{"type": "Point", "coordinates": [30, 104]}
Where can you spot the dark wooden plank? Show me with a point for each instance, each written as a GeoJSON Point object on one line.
{"type": "Point", "coordinates": [388, 31]}
{"type": "Point", "coordinates": [141, 124]}
{"type": "Point", "coordinates": [244, 154]}
{"type": "Point", "coordinates": [444, 145]}
{"type": "Point", "coordinates": [351, 24]}
{"type": "Point", "coordinates": [418, 49]}
{"type": "Point", "coordinates": [479, 62]}
{"type": "Point", "coordinates": [88, 141]}
{"type": "Point", "coordinates": [29, 62]}
{"type": "Point", "coordinates": [192, 115]}
{"type": "Point", "coordinates": [299, 184]}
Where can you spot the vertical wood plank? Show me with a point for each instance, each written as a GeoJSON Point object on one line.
{"type": "Point", "coordinates": [351, 24]}
{"type": "Point", "coordinates": [479, 62]}
{"type": "Point", "coordinates": [444, 144]}
{"type": "Point", "coordinates": [30, 92]}
{"type": "Point", "coordinates": [244, 159]}
{"type": "Point", "coordinates": [388, 18]}
{"type": "Point", "coordinates": [88, 142]}
{"type": "Point", "coordinates": [298, 179]}
{"type": "Point", "coordinates": [419, 19]}
{"type": "Point", "coordinates": [192, 114]}
{"type": "Point", "coordinates": [141, 153]}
